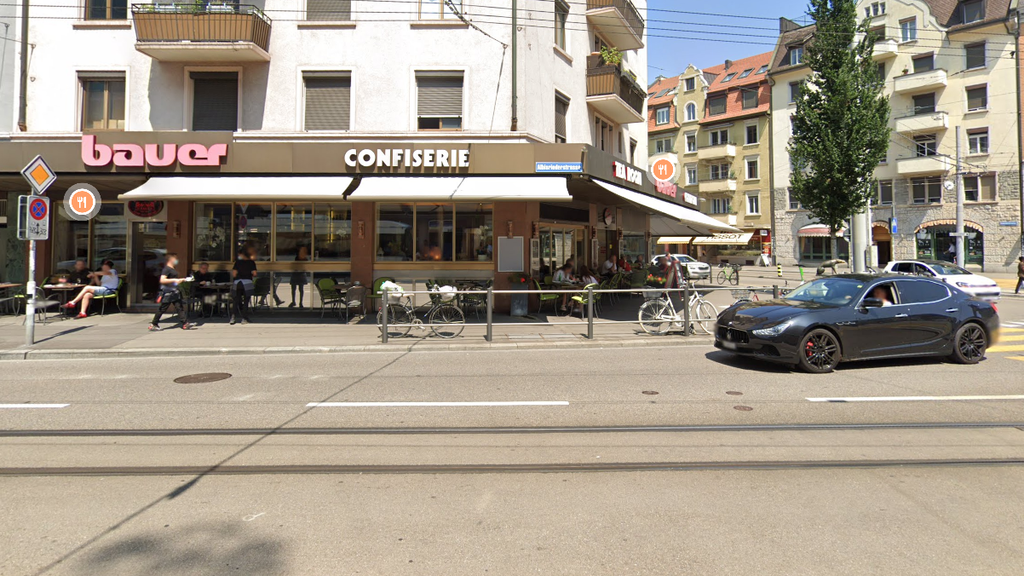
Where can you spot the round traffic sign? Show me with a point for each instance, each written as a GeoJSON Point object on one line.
{"type": "Point", "coordinates": [37, 208]}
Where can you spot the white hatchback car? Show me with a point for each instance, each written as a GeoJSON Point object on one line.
{"type": "Point", "coordinates": [695, 268]}
{"type": "Point", "coordinates": [974, 284]}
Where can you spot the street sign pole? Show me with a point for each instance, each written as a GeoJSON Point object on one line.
{"type": "Point", "coordinates": [34, 223]}
{"type": "Point", "coordinates": [30, 296]}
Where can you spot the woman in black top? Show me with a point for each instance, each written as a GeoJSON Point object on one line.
{"type": "Point", "coordinates": [169, 294]}
{"type": "Point", "coordinates": [243, 276]}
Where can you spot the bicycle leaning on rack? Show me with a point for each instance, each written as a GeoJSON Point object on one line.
{"type": "Point", "coordinates": [659, 315]}
{"type": "Point", "coordinates": [730, 273]}
{"type": "Point", "coordinates": [446, 320]}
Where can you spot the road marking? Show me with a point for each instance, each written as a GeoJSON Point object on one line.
{"type": "Point", "coordinates": [1005, 330]}
{"type": "Point", "coordinates": [1015, 348]}
{"type": "Point", "coordinates": [915, 398]}
{"type": "Point", "coordinates": [1012, 338]}
{"type": "Point", "coordinates": [18, 406]}
{"type": "Point", "coordinates": [433, 404]}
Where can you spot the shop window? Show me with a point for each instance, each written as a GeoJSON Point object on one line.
{"type": "Point", "coordinates": [977, 141]}
{"type": "Point", "coordinates": [294, 228]}
{"type": "Point", "coordinates": [213, 233]}
{"type": "Point", "coordinates": [884, 197]}
{"type": "Point", "coordinates": [716, 105]}
{"type": "Point", "coordinates": [214, 101]}
{"type": "Point", "coordinates": [329, 10]}
{"type": "Point", "coordinates": [70, 241]}
{"type": "Point", "coordinates": [433, 233]}
{"type": "Point", "coordinates": [749, 99]}
{"type": "Point", "coordinates": [926, 190]}
{"type": "Point", "coordinates": [106, 10]}
{"type": "Point", "coordinates": [438, 9]}
{"type": "Point", "coordinates": [439, 100]}
{"type": "Point", "coordinates": [394, 232]}
{"type": "Point", "coordinates": [103, 102]}
{"type": "Point", "coordinates": [332, 232]}
{"type": "Point", "coordinates": [817, 249]}
{"type": "Point", "coordinates": [328, 100]}
{"type": "Point", "coordinates": [980, 188]}
{"type": "Point", "coordinates": [252, 229]}
{"type": "Point", "coordinates": [109, 237]}
{"type": "Point", "coordinates": [977, 98]}
{"type": "Point", "coordinates": [924, 63]}
{"type": "Point", "coordinates": [561, 112]}
{"type": "Point", "coordinates": [474, 233]}
{"type": "Point", "coordinates": [561, 16]}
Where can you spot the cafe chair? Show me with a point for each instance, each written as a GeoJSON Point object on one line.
{"type": "Point", "coordinates": [546, 297]}
{"type": "Point", "coordinates": [355, 298]}
{"type": "Point", "coordinates": [189, 300]}
{"type": "Point", "coordinates": [329, 295]}
{"type": "Point", "coordinates": [261, 291]}
{"type": "Point", "coordinates": [477, 301]}
{"type": "Point", "coordinates": [43, 303]}
{"type": "Point", "coordinates": [375, 292]}
{"type": "Point", "coordinates": [582, 300]}
{"type": "Point", "coordinates": [114, 297]}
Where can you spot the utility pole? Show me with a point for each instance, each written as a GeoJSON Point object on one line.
{"type": "Point", "coordinates": [515, 66]}
{"type": "Point", "coordinates": [959, 202]}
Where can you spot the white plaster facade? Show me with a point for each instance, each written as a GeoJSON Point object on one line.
{"type": "Point", "coordinates": [9, 35]}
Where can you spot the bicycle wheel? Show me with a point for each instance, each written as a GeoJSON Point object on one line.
{"type": "Point", "coordinates": [447, 321]}
{"type": "Point", "coordinates": [397, 314]}
{"type": "Point", "coordinates": [703, 316]}
{"type": "Point", "coordinates": [656, 317]}
{"type": "Point", "coordinates": [734, 278]}
{"type": "Point", "coordinates": [722, 277]}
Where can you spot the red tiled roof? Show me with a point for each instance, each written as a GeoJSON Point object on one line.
{"type": "Point", "coordinates": [653, 103]}
{"type": "Point", "coordinates": [734, 94]}
{"type": "Point", "coordinates": [753, 63]}
{"type": "Point", "coordinates": [734, 105]}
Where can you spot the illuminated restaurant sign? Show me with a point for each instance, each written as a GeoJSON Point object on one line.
{"type": "Point", "coordinates": [156, 155]}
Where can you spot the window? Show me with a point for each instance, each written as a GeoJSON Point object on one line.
{"type": "Point", "coordinates": [973, 11]}
{"type": "Point", "coordinates": [977, 141]}
{"type": "Point", "coordinates": [749, 99]}
{"type": "Point", "coordinates": [434, 232]}
{"type": "Point", "coordinates": [103, 102]}
{"type": "Point", "coordinates": [716, 105]}
{"type": "Point", "coordinates": [752, 135]}
{"type": "Point", "coordinates": [632, 150]}
{"type": "Point", "coordinates": [794, 91]}
{"type": "Point", "coordinates": [728, 77]}
{"type": "Point", "coordinates": [663, 146]}
{"type": "Point", "coordinates": [975, 55]}
{"type": "Point", "coordinates": [881, 71]}
{"type": "Point", "coordinates": [691, 112]}
{"type": "Point", "coordinates": [293, 225]}
{"type": "Point", "coordinates": [977, 98]}
{"type": "Point", "coordinates": [329, 10]}
{"type": "Point", "coordinates": [924, 103]}
{"type": "Point", "coordinates": [691, 142]}
{"type": "Point", "coordinates": [332, 232]}
{"type": "Point", "coordinates": [561, 113]}
{"type": "Point", "coordinates": [662, 115]}
{"type": "Point", "coordinates": [690, 84]}
{"type": "Point", "coordinates": [719, 172]}
{"type": "Point", "coordinates": [753, 203]}
{"type": "Point", "coordinates": [794, 56]}
{"type": "Point", "coordinates": [561, 16]}
{"type": "Point", "coordinates": [875, 9]}
{"type": "Point", "coordinates": [253, 224]}
{"type": "Point", "coordinates": [718, 137]}
{"type": "Point", "coordinates": [439, 100]}
{"type": "Point", "coordinates": [328, 100]}
{"type": "Point", "coordinates": [924, 63]}
{"type": "Point", "coordinates": [214, 101]}
{"type": "Point", "coordinates": [921, 291]}
{"type": "Point", "coordinates": [106, 10]}
{"type": "Point", "coordinates": [213, 233]}
{"type": "Point", "coordinates": [746, 73]}
{"type": "Point", "coordinates": [438, 9]}
{"type": "Point", "coordinates": [794, 204]}
{"type": "Point", "coordinates": [602, 133]}
{"type": "Point", "coordinates": [474, 232]}
{"type": "Point", "coordinates": [762, 70]}
{"type": "Point", "coordinates": [691, 175]}
{"type": "Point", "coordinates": [908, 30]}
{"type": "Point", "coordinates": [753, 172]}
{"type": "Point", "coordinates": [980, 188]}
{"type": "Point", "coordinates": [926, 190]}
{"type": "Point", "coordinates": [721, 205]}
{"type": "Point", "coordinates": [926, 145]}
{"type": "Point", "coordinates": [884, 193]}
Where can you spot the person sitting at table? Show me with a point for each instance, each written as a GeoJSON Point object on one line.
{"type": "Point", "coordinates": [562, 277]}
{"type": "Point", "coordinates": [610, 266]}
{"type": "Point", "coordinates": [203, 278]}
{"type": "Point", "coordinates": [106, 284]}
{"type": "Point", "coordinates": [243, 276]}
{"type": "Point", "coordinates": [587, 277]}
{"type": "Point", "coordinates": [80, 274]}
{"type": "Point", "coordinates": [624, 265]}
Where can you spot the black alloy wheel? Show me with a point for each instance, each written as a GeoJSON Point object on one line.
{"type": "Point", "coordinates": [820, 352]}
{"type": "Point", "coordinates": [970, 344]}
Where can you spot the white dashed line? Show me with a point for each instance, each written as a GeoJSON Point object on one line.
{"type": "Point", "coordinates": [914, 398]}
{"type": "Point", "coordinates": [22, 406]}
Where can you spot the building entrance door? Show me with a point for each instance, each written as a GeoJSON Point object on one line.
{"type": "Point", "coordinates": [148, 251]}
{"type": "Point", "coordinates": [558, 244]}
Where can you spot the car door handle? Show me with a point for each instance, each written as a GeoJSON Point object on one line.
{"type": "Point", "coordinates": [952, 309]}
{"type": "Point", "coordinates": [901, 316]}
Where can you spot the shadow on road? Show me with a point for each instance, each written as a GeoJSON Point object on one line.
{"type": "Point", "coordinates": [746, 363]}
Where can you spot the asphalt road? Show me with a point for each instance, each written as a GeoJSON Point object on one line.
{"type": "Point", "coordinates": [674, 460]}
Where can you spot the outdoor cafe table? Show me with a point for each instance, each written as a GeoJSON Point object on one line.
{"type": "Point", "coordinates": [220, 289]}
{"type": "Point", "coordinates": [64, 290]}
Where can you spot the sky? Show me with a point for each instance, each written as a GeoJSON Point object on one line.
{"type": "Point", "coordinates": [697, 31]}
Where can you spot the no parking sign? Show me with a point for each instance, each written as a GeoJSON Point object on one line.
{"type": "Point", "coordinates": [33, 218]}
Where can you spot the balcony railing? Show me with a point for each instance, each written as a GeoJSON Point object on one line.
{"type": "Point", "coordinates": [717, 152]}
{"type": "Point", "coordinates": [164, 28]}
{"type": "Point", "coordinates": [616, 19]}
{"type": "Point", "coordinates": [614, 92]}
{"type": "Point", "coordinates": [920, 81]}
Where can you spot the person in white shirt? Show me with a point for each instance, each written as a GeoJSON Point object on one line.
{"type": "Point", "coordinates": [106, 284]}
{"type": "Point", "coordinates": [882, 293]}
{"type": "Point", "coordinates": [609, 268]}
{"type": "Point", "coordinates": [562, 277]}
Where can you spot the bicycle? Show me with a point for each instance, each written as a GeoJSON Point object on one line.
{"type": "Point", "coordinates": [659, 315]}
{"type": "Point", "coordinates": [730, 274]}
{"type": "Point", "coordinates": [446, 320]}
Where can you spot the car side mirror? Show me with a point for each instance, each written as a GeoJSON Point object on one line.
{"type": "Point", "coordinates": [871, 303]}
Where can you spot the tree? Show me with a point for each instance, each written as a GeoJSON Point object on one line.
{"type": "Point", "coordinates": [841, 123]}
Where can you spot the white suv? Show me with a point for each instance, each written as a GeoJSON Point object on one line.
{"type": "Point", "coordinates": [694, 268]}
{"type": "Point", "coordinates": [974, 284]}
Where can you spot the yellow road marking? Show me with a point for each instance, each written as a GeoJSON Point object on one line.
{"type": "Point", "coordinates": [1021, 358]}
{"type": "Point", "coordinates": [1013, 338]}
{"type": "Point", "coordinates": [1010, 330]}
{"type": "Point", "coordinates": [1015, 348]}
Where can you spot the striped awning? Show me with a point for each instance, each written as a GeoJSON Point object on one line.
{"type": "Point", "coordinates": [675, 239]}
{"type": "Point", "coordinates": [950, 222]}
{"type": "Point", "coordinates": [817, 231]}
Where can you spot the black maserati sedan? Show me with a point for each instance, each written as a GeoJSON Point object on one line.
{"type": "Point", "coordinates": [860, 317]}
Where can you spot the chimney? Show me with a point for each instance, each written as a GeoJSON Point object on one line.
{"type": "Point", "coordinates": [785, 25]}
{"type": "Point", "coordinates": [728, 64]}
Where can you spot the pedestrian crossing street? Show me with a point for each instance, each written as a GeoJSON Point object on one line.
{"type": "Point", "coordinates": [1011, 340]}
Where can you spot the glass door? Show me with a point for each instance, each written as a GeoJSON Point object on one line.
{"type": "Point", "coordinates": [560, 243]}
{"type": "Point", "coordinates": [149, 251]}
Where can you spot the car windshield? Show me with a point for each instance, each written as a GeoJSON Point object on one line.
{"type": "Point", "coordinates": [829, 291]}
{"type": "Point", "coordinates": [948, 269]}
{"type": "Point", "coordinates": [684, 258]}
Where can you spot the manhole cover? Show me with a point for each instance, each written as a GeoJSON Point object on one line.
{"type": "Point", "coordinates": [734, 393]}
{"type": "Point", "coordinates": [650, 392]}
{"type": "Point", "coordinates": [743, 408]}
{"type": "Point", "coordinates": [202, 378]}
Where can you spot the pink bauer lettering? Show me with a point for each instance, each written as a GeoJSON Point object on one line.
{"type": "Point", "coordinates": [155, 155]}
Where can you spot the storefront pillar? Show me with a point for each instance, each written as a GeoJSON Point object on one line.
{"type": "Point", "coordinates": [364, 219]}
{"type": "Point", "coordinates": [520, 217]}
{"type": "Point", "coordinates": [179, 232]}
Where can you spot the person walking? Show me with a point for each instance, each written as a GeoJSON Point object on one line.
{"type": "Point", "coordinates": [169, 294]}
{"type": "Point", "coordinates": [1020, 274]}
{"type": "Point", "coordinates": [243, 276]}
{"type": "Point", "coordinates": [298, 278]}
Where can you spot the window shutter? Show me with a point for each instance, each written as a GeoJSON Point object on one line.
{"type": "Point", "coordinates": [328, 102]}
{"type": "Point", "coordinates": [329, 10]}
{"type": "Point", "coordinates": [988, 187]}
{"type": "Point", "coordinates": [561, 111]}
{"type": "Point", "coordinates": [215, 101]}
{"type": "Point", "coordinates": [439, 95]}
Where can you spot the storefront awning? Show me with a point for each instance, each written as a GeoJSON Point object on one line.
{"type": "Point", "coordinates": [458, 189]}
{"type": "Point", "coordinates": [242, 188]}
{"type": "Point", "coordinates": [675, 239]}
{"type": "Point", "coordinates": [670, 219]}
{"type": "Point", "coordinates": [743, 238]}
{"type": "Point", "coordinates": [816, 231]}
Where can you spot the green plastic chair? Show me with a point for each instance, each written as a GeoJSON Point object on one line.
{"type": "Point", "coordinates": [103, 299]}
{"type": "Point", "coordinates": [543, 297]}
{"type": "Point", "coordinates": [582, 299]}
{"type": "Point", "coordinates": [375, 292]}
{"type": "Point", "coordinates": [329, 295]}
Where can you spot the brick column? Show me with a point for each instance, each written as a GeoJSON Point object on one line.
{"type": "Point", "coordinates": [522, 215]}
{"type": "Point", "coordinates": [364, 220]}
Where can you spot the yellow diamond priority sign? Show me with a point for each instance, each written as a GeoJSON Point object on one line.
{"type": "Point", "coordinates": [38, 175]}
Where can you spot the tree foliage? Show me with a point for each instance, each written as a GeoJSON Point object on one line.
{"type": "Point", "coordinates": [841, 123]}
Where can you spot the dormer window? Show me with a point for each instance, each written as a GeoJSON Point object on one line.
{"type": "Point", "coordinates": [973, 11]}
{"type": "Point", "coordinates": [762, 69]}
{"type": "Point", "coordinates": [728, 77]}
{"type": "Point", "coordinates": [746, 73]}
{"type": "Point", "coordinates": [662, 115]}
{"type": "Point", "coordinates": [795, 55]}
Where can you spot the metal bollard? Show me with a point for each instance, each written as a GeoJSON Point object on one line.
{"type": "Point", "coordinates": [686, 309]}
{"type": "Point", "coordinates": [775, 291]}
{"type": "Point", "coordinates": [490, 314]}
{"type": "Point", "coordinates": [384, 316]}
{"type": "Point", "coordinates": [590, 313]}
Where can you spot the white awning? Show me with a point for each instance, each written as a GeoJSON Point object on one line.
{"type": "Point", "coordinates": [725, 239]}
{"type": "Point", "coordinates": [241, 188]}
{"type": "Point", "coordinates": [459, 189]}
{"type": "Point", "coordinates": [675, 239]}
{"type": "Point", "coordinates": [674, 220]}
{"type": "Point", "coordinates": [817, 231]}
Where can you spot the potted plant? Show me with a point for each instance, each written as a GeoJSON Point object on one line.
{"type": "Point", "coordinates": [611, 56]}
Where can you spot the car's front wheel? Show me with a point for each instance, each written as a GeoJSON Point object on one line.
{"type": "Point", "coordinates": [820, 352]}
{"type": "Point", "coordinates": [970, 344]}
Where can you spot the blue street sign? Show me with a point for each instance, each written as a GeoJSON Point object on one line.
{"type": "Point", "coordinates": [559, 167]}
{"type": "Point", "coordinates": [892, 226]}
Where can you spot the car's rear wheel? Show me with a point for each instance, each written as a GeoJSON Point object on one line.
{"type": "Point", "coordinates": [820, 352]}
{"type": "Point", "coordinates": [970, 344]}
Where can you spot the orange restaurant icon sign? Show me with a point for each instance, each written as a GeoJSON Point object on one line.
{"type": "Point", "coordinates": [663, 170]}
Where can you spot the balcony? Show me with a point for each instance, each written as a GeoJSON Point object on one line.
{"type": "Point", "coordinates": [885, 49]}
{"type": "Point", "coordinates": [619, 22]}
{"type": "Point", "coordinates": [922, 166]}
{"type": "Point", "coordinates": [613, 92]}
{"type": "Point", "coordinates": [202, 32]}
{"type": "Point", "coordinates": [920, 82]}
{"type": "Point", "coordinates": [713, 186]}
{"type": "Point", "coordinates": [720, 152]}
{"type": "Point", "coordinates": [928, 122]}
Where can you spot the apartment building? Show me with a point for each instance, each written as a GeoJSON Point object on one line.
{"type": "Point", "coordinates": [8, 118]}
{"type": "Point", "coordinates": [384, 138]}
{"type": "Point", "coordinates": [663, 115]}
{"type": "Point", "coordinates": [948, 67]}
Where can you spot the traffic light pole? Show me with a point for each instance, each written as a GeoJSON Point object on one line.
{"type": "Point", "coordinates": [960, 244]}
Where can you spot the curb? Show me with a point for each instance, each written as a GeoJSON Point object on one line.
{"type": "Point", "coordinates": [71, 354]}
